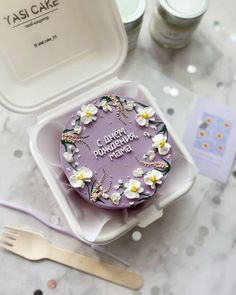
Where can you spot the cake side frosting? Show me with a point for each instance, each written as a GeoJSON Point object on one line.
{"type": "Point", "coordinates": [116, 152]}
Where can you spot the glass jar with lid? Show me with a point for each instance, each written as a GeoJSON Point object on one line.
{"type": "Point", "coordinates": [132, 12]}
{"type": "Point", "coordinates": [174, 21]}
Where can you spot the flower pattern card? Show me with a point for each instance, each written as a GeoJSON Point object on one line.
{"type": "Point", "coordinates": [211, 138]}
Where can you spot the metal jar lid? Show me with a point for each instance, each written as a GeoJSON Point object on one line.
{"type": "Point", "coordinates": [182, 12]}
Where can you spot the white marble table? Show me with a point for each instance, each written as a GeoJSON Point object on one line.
{"type": "Point", "coordinates": [192, 249]}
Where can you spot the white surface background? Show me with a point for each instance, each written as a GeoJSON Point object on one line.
{"type": "Point", "coordinates": [192, 249]}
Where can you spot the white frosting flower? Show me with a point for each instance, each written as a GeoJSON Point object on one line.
{"type": "Point", "coordinates": [145, 115]}
{"type": "Point", "coordinates": [88, 113]}
{"type": "Point", "coordinates": [105, 196]}
{"type": "Point", "coordinates": [78, 129]}
{"type": "Point", "coordinates": [81, 176]}
{"type": "Point", "coordinates": [68, 157]}
{"type": "Point", "coordinates": [152, 178]}
{"type": "Point", "coordinates": [138, 172]}
{"type": "Point", "coordinates": [151, 155]}
{"type": "Point", "coordinates": [133, 189]}
{"type": "Point", "coordinates": [161, 144]}
{"type": "Point", "coordinates": [105, 106]}
{"type": "Point", "coordinates": [130, 105]}
{"type": "Point", "coordinates": [115, 198]}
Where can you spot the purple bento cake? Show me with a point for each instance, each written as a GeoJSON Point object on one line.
{"type": "Point", "coordinates": [116, 152]}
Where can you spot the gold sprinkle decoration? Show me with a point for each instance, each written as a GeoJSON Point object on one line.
{"type": "Point", "coordinates": [98, 190]}
{"type": "Point", "coordinates": [72, 137]}
{"type": "Point", "coordinates": [157, 165]}
{"type": "Point", "coordinates": [119, 109]}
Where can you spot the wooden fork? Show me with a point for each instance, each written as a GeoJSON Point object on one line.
{"type": "Point", "coordinates": [34, 246]}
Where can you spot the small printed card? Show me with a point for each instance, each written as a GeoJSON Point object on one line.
{"type": "Point", "coordinates": [211, 138]}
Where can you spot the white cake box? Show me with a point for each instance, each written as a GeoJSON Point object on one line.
{"type": "Point", "coordinates": [54, 57]}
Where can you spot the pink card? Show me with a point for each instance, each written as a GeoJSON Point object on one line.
{"type": "Point", "coordinates": [211, 138]}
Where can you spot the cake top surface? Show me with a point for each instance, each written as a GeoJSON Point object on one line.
{"type": "Point", "coordinates": [116, 152]}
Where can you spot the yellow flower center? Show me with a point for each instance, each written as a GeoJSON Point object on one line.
{"type": "Point", "coordinates": [153, 178]}
{"type": "Point", "coordinates": [162, 143]}
{"type": "Point", "coordinates": [87, 114]}
{"type": "Point", "coordinates": [134, 189]}
{"type": "Point", "coordinates": [145, 115]}
{"type": "Point", "coordinates": [80, 176]}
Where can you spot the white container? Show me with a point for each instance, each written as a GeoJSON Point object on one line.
{"type": "Point", "coordinates": [53, 77]}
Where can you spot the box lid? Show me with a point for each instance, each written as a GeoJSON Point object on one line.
{"type": "Point", "coordinates": [50, 48]}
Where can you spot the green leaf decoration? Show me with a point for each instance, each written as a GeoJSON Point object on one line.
{"type": "Point", "coordinates": [107, 98]}
{"type": "Point", "coordinates": [64, 143]}
{"type": "Point", "coordinates": [141, 104]}
{"type": "Point", "coordinates": [67, 130]}
{"type": "Point", "coordinates": [144, 197]}
{"type": "Point", "coordinates": [167, 169]}
{"type": "Point", "coordinates": [163, 129]}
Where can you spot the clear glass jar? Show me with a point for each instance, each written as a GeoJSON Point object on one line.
{"type": "Point", "coordinates": [173, 22]}
{"type": "Point", "coordinates": [132, 12]}
{"type": "Point", "coordinates": [132, 31]}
